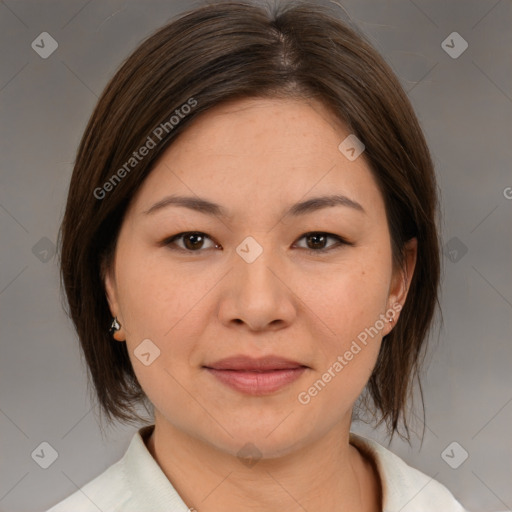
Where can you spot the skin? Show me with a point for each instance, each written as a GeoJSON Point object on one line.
{"type": "Point", "coordinates": [257, 157]}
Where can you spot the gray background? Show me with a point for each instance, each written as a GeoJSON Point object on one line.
{"type": "Point", "coordinates": [465, 108]}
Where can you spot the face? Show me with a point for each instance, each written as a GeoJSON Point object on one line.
{"type": "Point", "coordinates": [311, 288]}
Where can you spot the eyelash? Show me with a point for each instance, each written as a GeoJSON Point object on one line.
{"type": "Point", "coordinates": [341, 241]}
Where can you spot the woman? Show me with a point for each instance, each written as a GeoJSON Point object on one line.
{"type": "Point", "coordinates": [249, 244]}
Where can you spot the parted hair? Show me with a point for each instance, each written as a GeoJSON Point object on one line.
{"type": "Point", "coordinates": [231, 50]}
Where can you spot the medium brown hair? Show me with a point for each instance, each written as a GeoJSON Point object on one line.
{"type": "Point", "coordinates": [233, 50]}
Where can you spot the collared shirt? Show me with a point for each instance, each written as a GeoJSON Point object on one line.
{"type": "Point", "coordinates": [136, 483]}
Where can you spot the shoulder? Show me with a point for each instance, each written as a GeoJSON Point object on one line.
{"type": "Point", "coordinates": [133, 484]}
{"type": "Point", "coordinates": [107, 492]}
{"type": "Point", "coordinates": [405, 488]}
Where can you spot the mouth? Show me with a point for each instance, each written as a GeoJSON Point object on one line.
{"type": "Point", "coordinates": [256, 377]}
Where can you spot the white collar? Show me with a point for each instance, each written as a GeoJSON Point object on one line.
{"type": "Point", "coordinates": [405, 489]}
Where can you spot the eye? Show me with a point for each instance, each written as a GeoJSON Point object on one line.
{"type": "Point", "coordinates": [316, 240]}
{"type": "Point", "coordinates": [193, 241]}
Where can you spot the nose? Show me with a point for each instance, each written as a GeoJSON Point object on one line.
{"type": "Point", "coordinates": [258, 293]}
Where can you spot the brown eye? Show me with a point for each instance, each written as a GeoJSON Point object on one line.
{"type": "Point", "coordinates": [192, 241]}
{"type": "Point", "coordinates": [316, 241]}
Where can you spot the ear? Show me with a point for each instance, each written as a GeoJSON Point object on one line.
{"type": "Point", "coordinates": [108, 278]}
{"type": "Point", "coordinates": [109, 282]}
{"type": "Point", "coordinates": [401, 280]}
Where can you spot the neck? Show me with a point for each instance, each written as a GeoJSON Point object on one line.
{"type": "Point", "coordinates": [329, 474]}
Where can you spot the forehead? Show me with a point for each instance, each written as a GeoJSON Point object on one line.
{"type": "Point", "coordinates": [253, 127]}
{"type": "Point", "coordinates": [251, 152]}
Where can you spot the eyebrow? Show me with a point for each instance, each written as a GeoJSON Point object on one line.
{"type": "Point", "coordinates": [209, 208]}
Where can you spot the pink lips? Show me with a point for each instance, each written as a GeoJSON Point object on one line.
{"type": "Point", "coordinates": [256, 376]}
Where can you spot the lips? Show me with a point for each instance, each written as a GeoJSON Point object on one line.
{"type": "Point", "coordinates": [250, 364]}
{"type": "Point", "coordinates": [257, 377]}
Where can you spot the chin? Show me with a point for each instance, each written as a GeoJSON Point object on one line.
{"type": "Point", "coordinates": [262, 439]}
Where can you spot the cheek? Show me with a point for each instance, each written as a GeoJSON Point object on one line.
{"type": "Point", "coordinates": [166, 305]}
{"type": "Point", "coordinates": [153, 295]}
{"type": "Point", "coordinates": [350, 298]}
{"type": "Point", "coordinates": [158, 305]}
{"type": "Point", "coordinates": [348, 353]}
{"type": "Point", "coordinates": [351, 306]}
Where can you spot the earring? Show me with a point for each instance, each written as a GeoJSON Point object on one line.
{"type": "Point", "coordinates": [115, 326]}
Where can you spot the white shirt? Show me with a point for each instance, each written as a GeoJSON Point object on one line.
{"type": "Point", "coordinates": [136, 483]}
